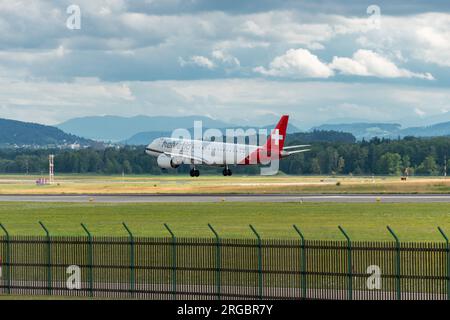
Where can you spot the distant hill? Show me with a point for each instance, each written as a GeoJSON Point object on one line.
{"type": "Point", "coordinates": [111, 128]}
{"type": "Point", "coordinates": [17, 133]}
{"type": "Point", "coordinates": [321, 136]}
{"type": "Point", "coordinates": [388, 130]}
{"type": "Point", "coordinates": [145, 138]}
{"type": "Point", "coordinates": [136, 130]}
{"type": "Point", "coordinates": [438, 129]}
{"type": "Point", "coordinates": [363, 129]}
{"type": "Point", "coordinates": [114, 128]}
{"type": "Point", "coordinates": [290, 129]}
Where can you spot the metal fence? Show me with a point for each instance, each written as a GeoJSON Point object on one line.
{"type": "Point", "coordinates": [216, 268]}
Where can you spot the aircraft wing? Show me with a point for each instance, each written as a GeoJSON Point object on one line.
{"type": "Point", "coordinates": [186, 156]}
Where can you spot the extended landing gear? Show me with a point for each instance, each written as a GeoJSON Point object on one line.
{"type": "Point", "coordinates": [194, 172]}
{"type": "Point", "coordinates": [227, 172]}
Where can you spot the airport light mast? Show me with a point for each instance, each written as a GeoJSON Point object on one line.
{"type": "Point", "coordinates": [445, 166]}
{"type": "Point", "coordinates": [51, 168]}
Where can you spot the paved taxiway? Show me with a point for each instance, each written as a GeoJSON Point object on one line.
{"type": "Point", "coordinates": [126, 198]}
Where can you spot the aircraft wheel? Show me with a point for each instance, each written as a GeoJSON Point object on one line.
{"type": "Point", "coordinates": [196, 173]}
{"type": "Point", "coordinates": [229, 172]}
{"type": "Point", "coordinates": [192, 173]}
{"type": "Point", "coordinates": [225, 172]}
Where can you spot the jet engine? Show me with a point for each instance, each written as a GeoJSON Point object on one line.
{"type": "Point", "coordinates": [166, 162]}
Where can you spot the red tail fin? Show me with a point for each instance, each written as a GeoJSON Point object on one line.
{"type": "Point", "coordinates": [274, 142]}
{"type": "Point", "coordinates": [278, 135]}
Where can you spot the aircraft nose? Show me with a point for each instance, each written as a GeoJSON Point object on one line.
{"type": "Point", "coordinates": [149, 147]}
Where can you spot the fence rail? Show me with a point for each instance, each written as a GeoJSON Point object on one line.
{"type": "Point", "coordinates": [220, 268]}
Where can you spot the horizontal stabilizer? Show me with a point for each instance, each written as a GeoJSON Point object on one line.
{"type": "Point", "coordinates": [288, 153]}
{"type": "Point", "coordinates": [299, 146]}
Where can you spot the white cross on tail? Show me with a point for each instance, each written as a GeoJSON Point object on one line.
{"type": "Point", "coordinates": [277, 136]}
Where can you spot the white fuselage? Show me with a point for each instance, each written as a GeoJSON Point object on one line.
{"type": "Point", "coordinates": [200, 152]}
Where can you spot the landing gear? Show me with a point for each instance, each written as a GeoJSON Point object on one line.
{"type": "Point", "coordinates": [194, 172]}
{"type": "Point", "coordinates": [227, 172]}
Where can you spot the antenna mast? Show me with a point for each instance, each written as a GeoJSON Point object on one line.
{"type": "Point", "coordinates": [51, 168]}
{"type": "Point", "coordinates": [445, 166]}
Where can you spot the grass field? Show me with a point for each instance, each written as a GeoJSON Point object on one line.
{"type": "Point", "coordinates": [95, 184]}
{"type": "Point", "coordinates": [412, 222]}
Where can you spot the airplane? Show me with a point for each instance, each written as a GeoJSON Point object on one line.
{"type": "Point", "coordinates": [173, 152]}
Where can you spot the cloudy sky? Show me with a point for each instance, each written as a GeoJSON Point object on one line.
{"type": "Point", "coordinates": [243, 61]}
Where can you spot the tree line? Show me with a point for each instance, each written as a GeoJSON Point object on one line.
{"type": "Point", "coordinates": [412, 156]}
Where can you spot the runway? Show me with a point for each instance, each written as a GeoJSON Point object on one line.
{"type": "Point", "coordinates": [179, 198]}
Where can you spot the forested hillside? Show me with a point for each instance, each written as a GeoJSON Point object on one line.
{"type": "Point", "coordinates": [31, 134]}
{"type": "Point", "coordinates": [421, 156]}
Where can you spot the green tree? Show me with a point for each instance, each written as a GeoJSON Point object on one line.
{"type": "Point", "coordinates": [428, 166]}
{"type": "Point", "coordinates": [126, 166]}
{"type": "Point", "coordinates": [315, 166]}
{"type": "Point", "coordinates": [390, 163]}
{"type": "Point", "coordinates": [340, 165]}
{"type": "Point", "coordinates": [406, 161]}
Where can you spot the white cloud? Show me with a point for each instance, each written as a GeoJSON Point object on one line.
{"type": "Point", "coordinates": [424, 37]}
{"type": "Point", "coordinates": [419, 112]}
{"type": "Point", "coordinates": [118, 28]}
{"type": "Point", "coordinates": [225, 58]}
{"type": "Point", "coordinates": [296, 63]}
{"type": "Point", "coordinates": [203, 62]}
{"type": "Point", "coordinates": [200, 61]}
{"type": "Point", "coordinates": [370, 63]}
{"type": "Point", "coordinates": [284, 26]}
{"type": "Point", "coordinates": [34, 55]}
{"type": "Point", "coordinates": [220, 57]}
{"type": "Point", "coordinates": [300, 63]}
{"type": "Point", "coordinates": [50, 102]}
{"type": "Point", "coordinates": [252, 28]}
{"type": "Point", "coordinates": [305, 101]}
{"type": "Point", "coordinates": [121, 40]}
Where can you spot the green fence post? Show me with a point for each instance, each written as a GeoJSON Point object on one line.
{"type": "Point", "coordinates": [218, 261]}
{"type": "Point", "coordinates": [174, 261]}
{"type": "Point", "coordinates": [260, 278]}
{"type": "Point", "coordinates": [398, 267]}
{"type": "Point", "coordinates": [132, 266]}
{"type": "Point", "coordinates": [349, 264]}
{"type": "Point", "coordinates": [303, 261]}
{"type": "Point", "coordinates": [90, 261]}
{"type": "Point", "coordinates": [8, 258]}
{"type": "Point", "coordinates": [49, 259]}
{"type": "Point", "coordinates": [448, 261]}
